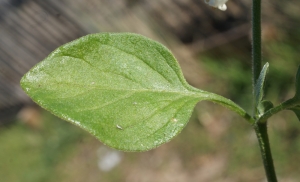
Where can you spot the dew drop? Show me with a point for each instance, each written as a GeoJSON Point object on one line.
{"type": "Point", "coordinates": [93, 83]}
{"type": "Point", "coordinates": [135, 103]}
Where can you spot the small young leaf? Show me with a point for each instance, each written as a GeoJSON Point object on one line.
{"type": "Point", "coordinates": [259, 86]}
{"type": "Point", "coordinates": [125, 89]}
{"type": "Point", "coordinates": [264, 106]}
{"type": "Point", "coordinates": [296, 111]}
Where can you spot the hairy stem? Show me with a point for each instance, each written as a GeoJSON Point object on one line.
{"type": "Point", "coordinates": [260, 128]}
{"type": "Point", "coordinates": [263, 140]}
{"type": "Point", "coordinates": [230, 105]}
{"type": "Point", "coordinates": [256, 40]}
{"type": "Point", "coordinates": [285, 105]}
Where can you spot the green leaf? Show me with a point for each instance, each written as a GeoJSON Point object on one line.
{"type": "Point", "coordinates": [296, 110]}
{"type": "Point", "coordinates": [264, 106]}
{"type": "Point", "coordinates": [259, 86]}
{"type": "Point", "coordinates": [125, 89]}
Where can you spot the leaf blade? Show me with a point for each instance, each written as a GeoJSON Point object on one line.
{"type": "Point", "coordinates": [125, 89]}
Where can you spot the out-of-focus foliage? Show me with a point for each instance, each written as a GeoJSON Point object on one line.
{"type": "Point", "coordinates": [31, 154]}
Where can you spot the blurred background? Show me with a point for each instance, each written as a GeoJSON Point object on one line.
{"type": "Point", "coordinates": [214, 51]}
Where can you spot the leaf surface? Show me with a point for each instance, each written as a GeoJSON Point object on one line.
{"type": "Point", "coordinates": [264, 106]}
{"type": "Point", "coordinates": [125, 89]}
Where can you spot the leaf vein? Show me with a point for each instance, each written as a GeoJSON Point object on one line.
{"type": "Point", "coordinates": [145, 62]}
{"type": "Point", "coordinates": [73, 96]}
{"type": "Point", "coordinates": [103, 71]}
{"type": "Point", "coordinates": [107, 103]}
{"type": "Point", "coordinates": [152, 133]}
{"type": "Point", "coordinates": [154, 113]}
{"type": "Point", "coordinates": [191, 94]}
{"type": "Point", "coordinates": [176, 72]}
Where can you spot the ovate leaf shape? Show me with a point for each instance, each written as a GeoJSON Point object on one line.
{"type": "Point", "coordinates": [123, 88]}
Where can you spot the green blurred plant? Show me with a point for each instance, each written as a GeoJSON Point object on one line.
{"type": "Point", "coordinates": [29, 154]}
{"type": "Point", "coordinates": [129, 91]}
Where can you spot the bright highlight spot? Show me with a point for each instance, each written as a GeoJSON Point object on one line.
{"type": "Point", "coordinates": [220, 4]}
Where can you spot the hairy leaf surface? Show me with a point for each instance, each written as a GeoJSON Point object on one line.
{"type": "Point", "coordinates": [125, 89]}
{"type": "Point", "coordinates": [259, 86]}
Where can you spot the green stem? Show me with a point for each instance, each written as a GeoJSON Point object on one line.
{"type": "Point", "coordinates": [285, 105]}
{"type": "Point", "coordinates": [263, 140]}
{"type": "Point", "coordinates": [256, 40]}
{"type": "Point", "coordinates": [260, 128]}
{"type": "Point", "coordinates": [229, 104]}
